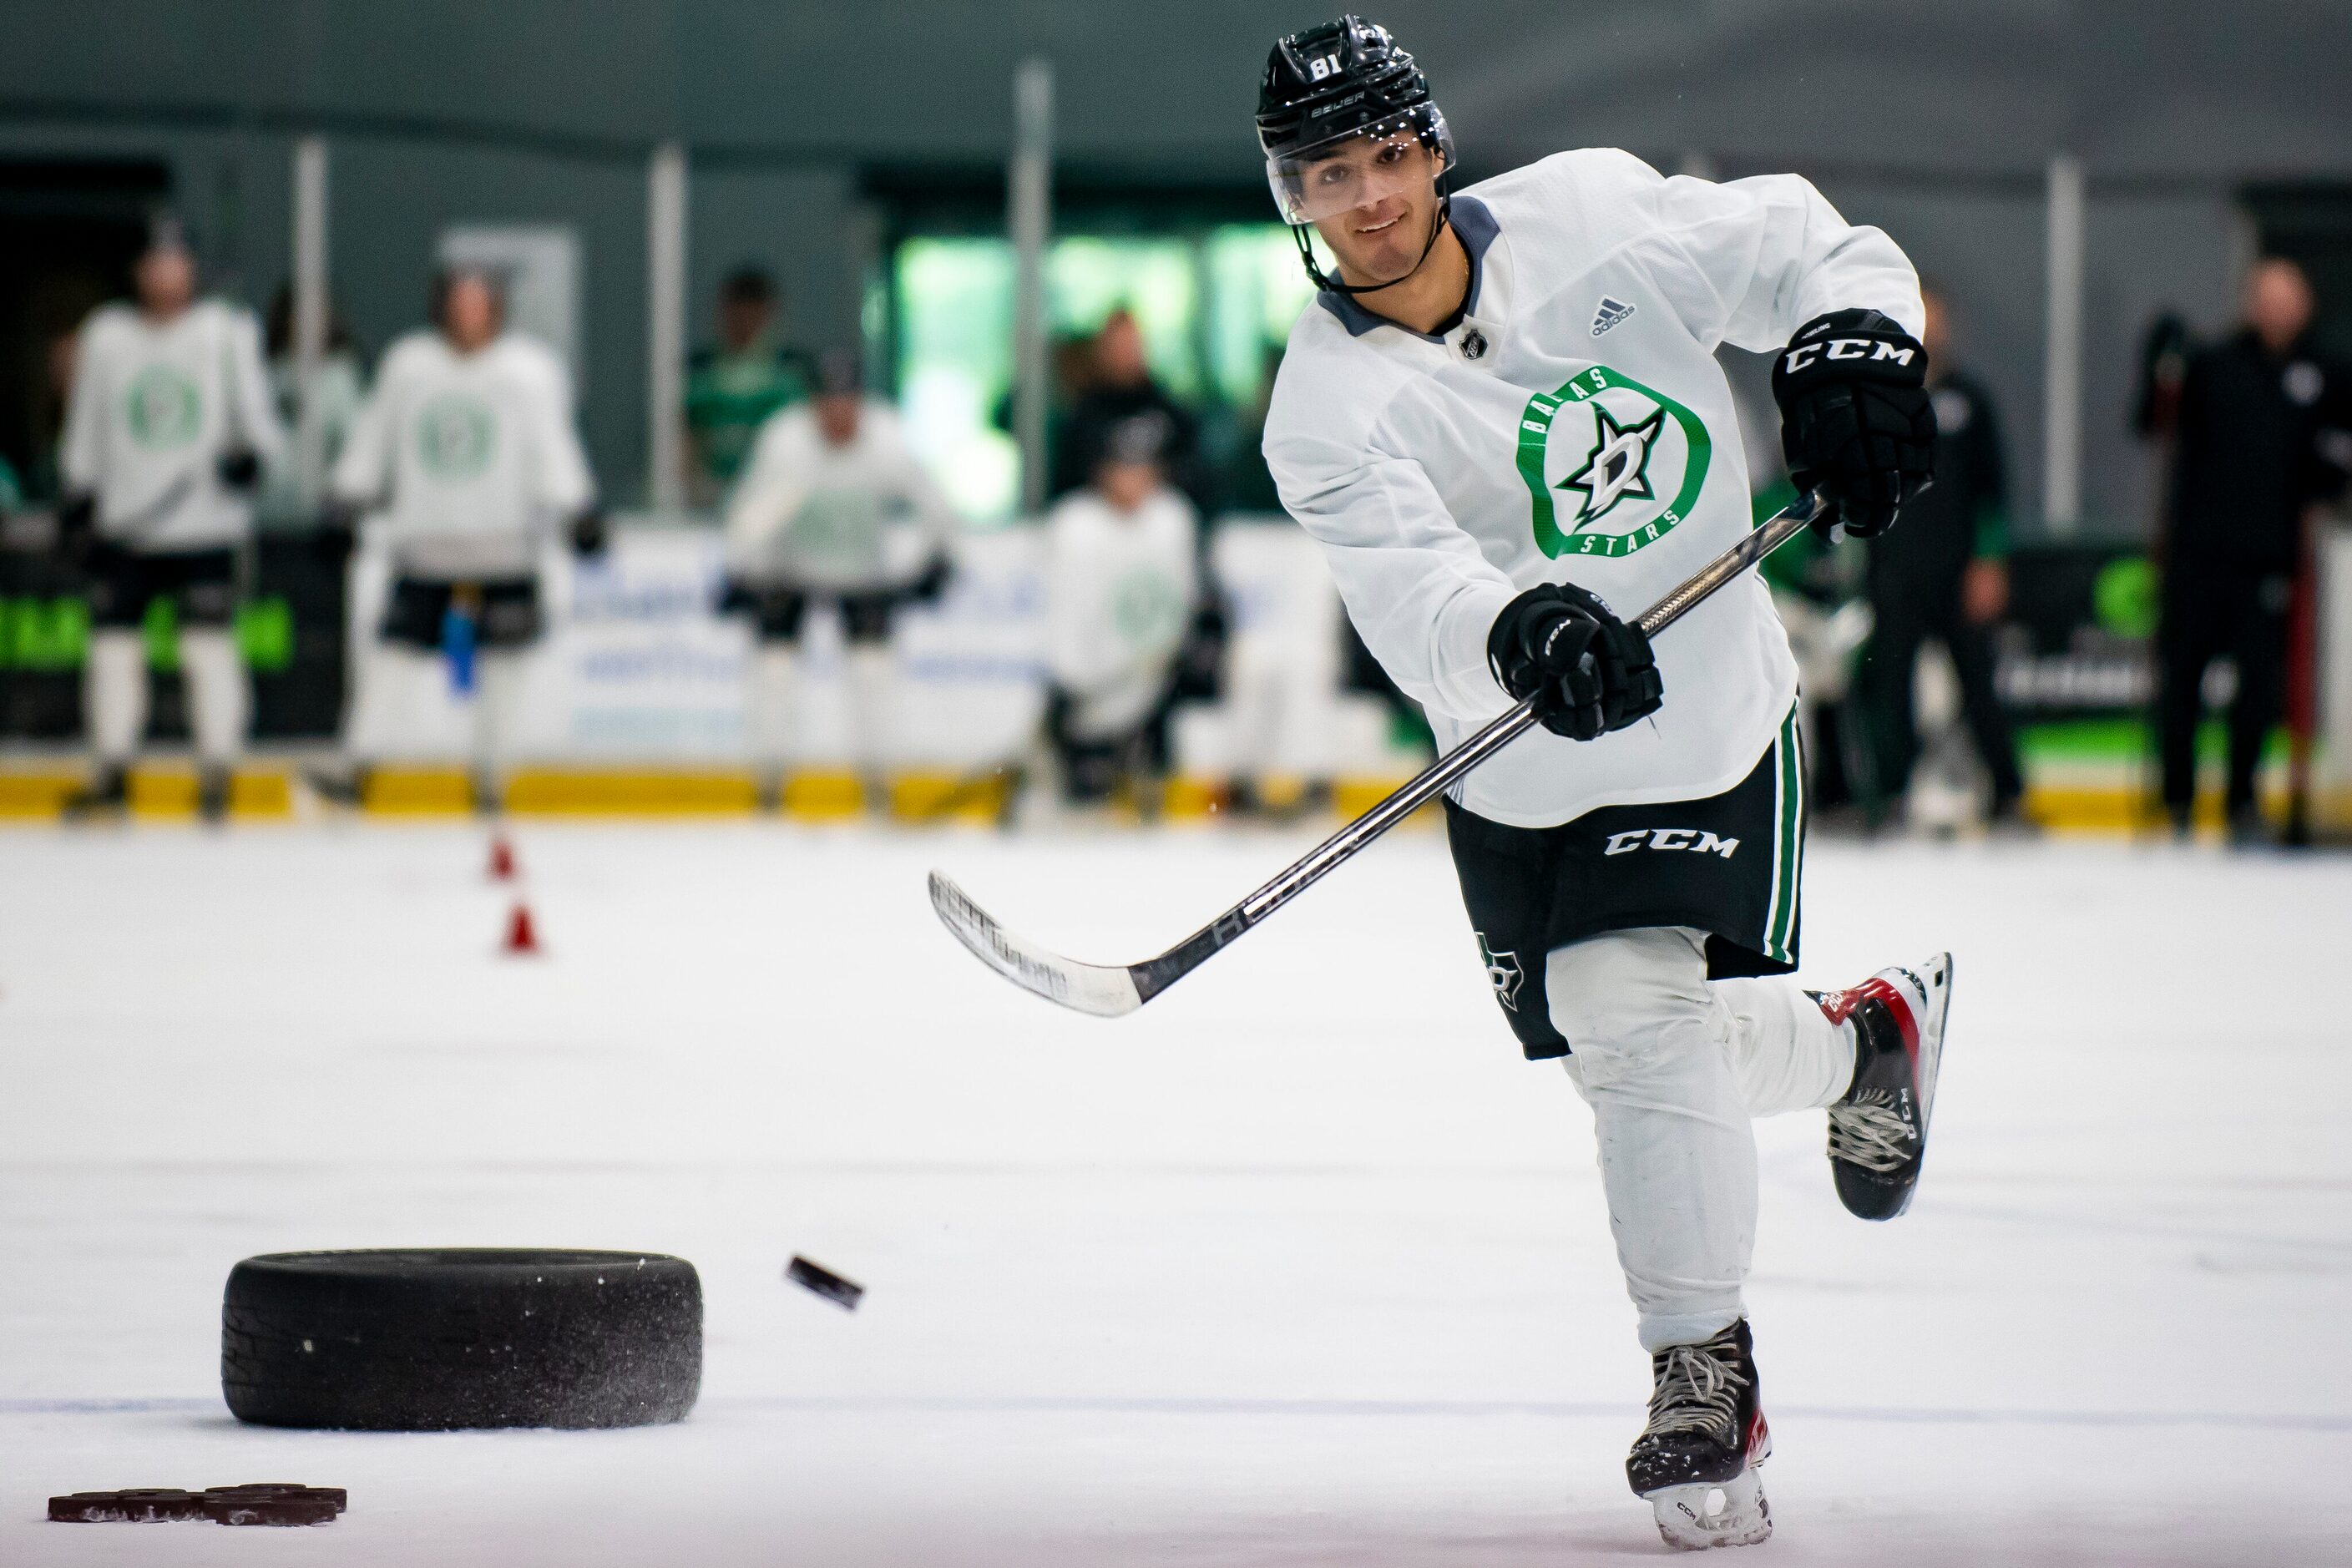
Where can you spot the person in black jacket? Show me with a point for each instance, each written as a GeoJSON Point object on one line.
{"type": "Point", "coordinates": [2248, 464]}
{"type": "Point", "coordinates": [1944, 574]}
{"type": "Point", "coordinates": [1121, 386]}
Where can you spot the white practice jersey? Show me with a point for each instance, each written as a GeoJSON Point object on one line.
{"type": "Point", "coordinates": [1573, 426]}
{"type": "Point", "coordinates": [470, 458]}
{"type": "Point", "coordinates": [812, 514]}
{"type": "Point", "coordinates": [153, 407]}
{"type": "Point", "coordinates": [1119, 591]}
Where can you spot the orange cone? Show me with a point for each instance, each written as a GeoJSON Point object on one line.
{"type": "Point", "coordinates": [502, 859]}
{"type": "Point", "coordinates": [522, 934]}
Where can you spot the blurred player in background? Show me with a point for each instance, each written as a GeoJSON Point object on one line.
{"type": "Point", "coordinates": [737, 385]}
{"type": "Point", "coordinates": [1502, 417]}
{"type": "Point", "coordinates": [335, 400]}
{"type": "Point", "coordinates": [1122, 578]}
{"type": "Point", "coordinates": [467, 456]}
{"type": "Point", "coordinates": [2248, 465]}
{"type": "Point", "coordinates": [813, 518]}
{"type": "Point", "coordinates": [1944, 574]}
{"type": "Point", "coordinates": [168, 432]}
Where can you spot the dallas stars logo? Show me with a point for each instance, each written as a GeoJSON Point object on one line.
{"type": "Point", "coordinates": [1632, 425]}
{"type": "Point", "coordinates": [1618, 466]}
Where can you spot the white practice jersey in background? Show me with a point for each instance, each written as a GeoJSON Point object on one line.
{"type": "Point", "coordinates": [1575, 426]}
{"type": "Point", "coordinates": [470, 456]}
{"type": "Point", "coordinates": [814, 515]}
{"type": "Point", "coordinates": [153, 407]}
{"type": "Point", "coordinates": [1119, 591]}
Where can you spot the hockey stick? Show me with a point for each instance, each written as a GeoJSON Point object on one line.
{"type": "Point", "coordinates": [1109, 990]}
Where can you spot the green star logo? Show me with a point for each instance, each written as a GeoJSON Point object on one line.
{"type": "Point", "coordinates": [1631, 424]}
{"type": "Point", "coordinates": [164, 408]}
{"type": "Point", "coordinates": [455, 437]}
{"type": "Point", "coordinates": [1618, 466]}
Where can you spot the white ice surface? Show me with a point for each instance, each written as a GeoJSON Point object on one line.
{"type": "Point", "coordinates": [1300, 1264]}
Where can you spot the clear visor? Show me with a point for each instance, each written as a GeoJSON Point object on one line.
{"type": "Point", "coordinates": [1362, 166]}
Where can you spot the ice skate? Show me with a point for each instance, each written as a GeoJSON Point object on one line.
{"type": "Point", "coordinates": [107, 794]}
{"type": "Point", "coordinates": [1696, 1464]}
{"type": "Point", "coordinates": [1879, 1131]}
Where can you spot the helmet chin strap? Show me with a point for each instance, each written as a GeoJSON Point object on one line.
{"type": "Point", "coordinates": [1299, 231]}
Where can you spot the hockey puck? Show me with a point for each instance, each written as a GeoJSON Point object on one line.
{"type": "Point", "coordinates": [435, 1339]}
{"type": "Point", "coordinates": [133, 1505]}
{"type": "Point", "coordinates": [824, 1281]}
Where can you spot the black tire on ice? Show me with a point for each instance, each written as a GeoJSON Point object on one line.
{"type": "Point", "coordinates": [431, 1340]}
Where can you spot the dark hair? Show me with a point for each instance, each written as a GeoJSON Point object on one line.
{"type": "Point", "coordinates": [748, 285]}
{"type": "Point", "coordinates": [840, 372]}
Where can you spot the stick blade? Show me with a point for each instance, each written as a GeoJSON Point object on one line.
{"type": "Point", "coordinates": [1103, 991]}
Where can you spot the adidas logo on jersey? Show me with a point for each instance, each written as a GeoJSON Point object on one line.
{"type": "Point", "coordinates": [1611, 311]}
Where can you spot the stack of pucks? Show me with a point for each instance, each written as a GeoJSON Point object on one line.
{"type": "Point", "coordinates": [256, 1502]}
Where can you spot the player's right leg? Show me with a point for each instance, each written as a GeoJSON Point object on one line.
{"type": "Point", "coordinates": [220, 703]}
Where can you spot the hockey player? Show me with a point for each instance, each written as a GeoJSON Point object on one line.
{"type": "Point", "coordinates": [811, 520]}
{"type": "Point", "coordinates": [1122, 578]}
{"type": "Point", "coordinates": [167, 433]}
{"type": "Point", "coordinates": [1502, 416]}
{"type": "Point", "coordinates": [467, 454]}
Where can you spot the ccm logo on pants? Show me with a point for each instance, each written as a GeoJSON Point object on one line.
{"type": "Point", "coordinates": [1670, 839]}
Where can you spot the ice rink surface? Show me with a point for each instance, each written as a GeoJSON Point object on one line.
{"type": "Point", "coordinates": [1301, 1264]}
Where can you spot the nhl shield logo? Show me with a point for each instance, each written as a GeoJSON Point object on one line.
{"type": "Point", "coordinates": [1502, 972]}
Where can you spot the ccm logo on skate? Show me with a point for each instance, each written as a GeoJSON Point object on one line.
{"type": "Point", "coordinates": [1670, 839]}
{"type": "Point", "coordinates": [1845, 348]}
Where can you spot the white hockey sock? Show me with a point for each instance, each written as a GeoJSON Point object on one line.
{"type": "Point", "coordinates": [1787, 1054]}
{"type": "Point", "coordinates": [114, 694]}
{"type": "Point", "coordinates": [497, 711]}
{"type": "Point", "coordinates": [218, 704]}
{"type": "Point", "coordinates": [775, 678]}
{"type": "Point", "coordinates": [872, 684]}
{"type": "Point", "coordinates": [1654, 1059]}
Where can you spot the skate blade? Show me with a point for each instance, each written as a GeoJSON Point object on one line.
{"type": "Point", "coordinates": [1701, 1515]}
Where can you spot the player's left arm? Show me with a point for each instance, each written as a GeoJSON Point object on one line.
{"type": "Point", "coordinates": [1984, 591]}
{"type": "Point", "coordinates": [253, 413]}
{"type": "Point", "coordinates": [933, 516]}
{"type": "Point", "coordinates": [1767, 264]}
{"type": "Point", "coordinates": [560, 480]}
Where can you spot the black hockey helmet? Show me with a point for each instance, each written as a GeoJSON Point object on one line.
{"type": "Point", "coordinates": [1330, 84]}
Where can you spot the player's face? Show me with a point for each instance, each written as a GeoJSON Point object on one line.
{"type": "Point", "coordinates": [167, 281]}
{"type": "Point", "coordinates": [470, 315]}
{"type": "Point", "coordinates": [1127, 485]}
{"type": "Point", "coordinates": [2278, 303]}
{"type": "Point", "coordinates": [1376, 202]}
{"type": "Point", "coordinates": [741, 323]}
{"type": "Point", "coordinates": [836, 418]}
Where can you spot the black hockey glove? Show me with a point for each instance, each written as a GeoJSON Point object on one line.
{"type": "Point", "coordinates": [926, 588]}
{"type": "Point", "coordinates": [590, 535]}
{"type": "Point", "coordinates": [239, 468]}
{"type": "Point", "coordinates": [337, 532]}
{"type": "Point", "coordinates": [1590, 672]}
{"type": "Point", "coordinates": [77, 526]}
{"type": "Point", "coordinates": [1855, 422]}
